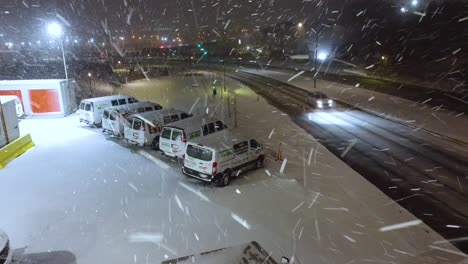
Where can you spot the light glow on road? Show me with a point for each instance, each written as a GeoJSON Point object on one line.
{"type": "Point", "coordinates": [327, 117]}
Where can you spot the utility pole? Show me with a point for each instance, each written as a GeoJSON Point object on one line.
{"type": "Point", "coordinates": [235, 110]}
{"type": "Point", "coordinates": [229, 106]}
{"type": "Point", "coordinates": [317, 35]}
{"type": "Point", "coordinates": [224, 75]}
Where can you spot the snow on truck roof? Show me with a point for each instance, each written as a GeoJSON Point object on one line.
{"type": "Point", "coordinates": [194, 122]}
{"type": "Point", "coordinates": [6, 98]}
{"type": "Point", "coordinates": [131, 106]}
{"type": "Point", "coordinates": [158, 114]}
{"type": "Point", "coordinates": [220, 140]}
{"type": "Point", "coordinates": [109, 97]}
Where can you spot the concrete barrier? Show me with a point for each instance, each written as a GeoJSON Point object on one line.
{"type": "Point", "coordinates": [15, 149]}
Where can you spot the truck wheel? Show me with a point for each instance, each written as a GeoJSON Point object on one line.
{"type": "Point", "coordinates": [260, 162]}
{"type": "Point", "coordinates": [226, 179]}
{"type": "Point", "coordinates": [155, 144]}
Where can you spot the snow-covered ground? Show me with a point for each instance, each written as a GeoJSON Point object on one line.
{"type": "Point", "coordinates": [104, 201]}
{"type": "Point", "coordinates": [419, 116]}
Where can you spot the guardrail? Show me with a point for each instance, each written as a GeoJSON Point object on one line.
{"type": "Point", "coordinates": [15, 149]}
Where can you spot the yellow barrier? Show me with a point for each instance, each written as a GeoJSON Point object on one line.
{"type": "Point", "coordinates": [15, 149]}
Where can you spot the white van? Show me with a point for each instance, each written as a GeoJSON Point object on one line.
{"type": "Point", "coordinates": [175, 135]}
{"type": "Point", "coordinates": [144, 129]}
{"type": "Point", "coordinates": [91, 109]}
{"type": "Point", "coordinates": [114, 117]}
{"type": "Point", "coordinates": [218, 157]}
{"type": "Point", "coordinates": [18, 105]}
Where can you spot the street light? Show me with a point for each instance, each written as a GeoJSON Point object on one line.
{"type": "Point", "coordinates": [414, 2]}
{"type": "Point", "coordinates": [403, 9]}
{"type": "Point", "coordinates": [322, 56]}
{"type": "Point", "coordinates": [55, 30]}
{"type": "Point", "coordinates": [300, 25]}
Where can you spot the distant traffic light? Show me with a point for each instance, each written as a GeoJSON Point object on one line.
{"type": "Point", "coordinates": [205, 52]}
{"type": "Point", "coordinates": [199, 45]}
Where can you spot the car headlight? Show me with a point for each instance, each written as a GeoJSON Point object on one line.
{"type": "Point", "coordinates": [319, 104]}
{"type": "Point", "coordinates": [330, 102]}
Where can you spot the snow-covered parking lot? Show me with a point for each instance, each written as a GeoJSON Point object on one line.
{"type": "Point", "coordinates": [104, 201]}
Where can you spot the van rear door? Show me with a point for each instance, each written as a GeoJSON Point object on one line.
{"type": "Point", "coordinates": [88, 114]}
{"type": "Point", "coordinates": [178, 139]}
{"type": "Point", "coordinates": [199, 158]}
{"type": "Point", "coordinates": [105, 120]}
{"type": "Point", "coordinates": [114, 122]}
{"type": "Point", "coordinates": [165, 140]}
{"type": "Point", "coordinates": [138, 131]}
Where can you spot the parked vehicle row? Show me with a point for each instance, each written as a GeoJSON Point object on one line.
{"type": "Point", "coordinates": [113, 118]}
{"type": "Point", "coordinates": [91, 110]}
{"type": "Point", "coordinates": [209, 151]}
{"type": "Point", "coordinates": [175, 135]}
{"type": "Point", "coordinates": [145, 129]}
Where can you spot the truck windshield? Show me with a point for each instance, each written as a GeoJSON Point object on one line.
{"type": "Point", "coordinates": [199, 153]}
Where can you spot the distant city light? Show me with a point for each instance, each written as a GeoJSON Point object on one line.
{"type": "Point", "coordinates": [383, 57]}
{"type": "Point", "coordinates": [403, 10]}
{"type": "Point", "coordinates": [300, 25]}
{"type": "Point", "coordinates": [414, 2]}
{"type": "Point", "coordinates": [89, 74]}
{"type": "Point", "coordinates": [122, 38]}
{"type": "Point", "coordinates": [76, 41]}
{"type": "Point", "coordinates": [54, 29]}
{"type": "Point", "coordinates": [22, 43]}
{"type": "Point", "coordinates": [91, 40]}
{"type": "Point", "coordinates": [119, 62]}
{"type": "Point", "coordinates": [7, 12]}
{"type": "Point", "coordinates": [38, 42]}
{"type": "Point", "coordinates": [322, 56]}
{"type": "Point", "coordinates": [248, 48]}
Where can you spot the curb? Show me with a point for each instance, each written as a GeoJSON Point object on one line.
{"type": "Point", "coordinates": [399, 121]}
{"type": "Point", "coordinates": [15, 149]}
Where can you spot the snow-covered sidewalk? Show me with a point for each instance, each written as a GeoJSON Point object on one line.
{"type": "Point", "coordinates": [420, 116]}
{"type": "Point", "coordinates": [80, 191]}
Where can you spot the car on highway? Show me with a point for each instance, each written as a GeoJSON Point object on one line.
{"type": "Point", "coordinates": [319, 100]}
{"type": "Point", "coordinates": [5, 250]}
{"type": "Point", "coordinates": [219, 157]}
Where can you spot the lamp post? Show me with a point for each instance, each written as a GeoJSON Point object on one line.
{"type": "Point", "coordinates": [90, 85]}
{"type": "Point", "coordinates": [317, 35]}
{"type": "Point", "coordinates": [55, 30]}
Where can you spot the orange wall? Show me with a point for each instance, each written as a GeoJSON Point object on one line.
{"type": "Point", "coordinates": [13, 92]}
{"type": "Point", "coordinates": [44, 101]}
